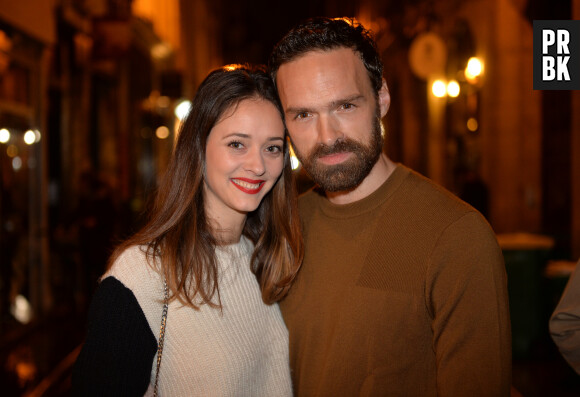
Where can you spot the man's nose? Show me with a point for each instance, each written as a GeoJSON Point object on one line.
{"type": "Point", "coordinates": [328, 130]}
{"type": "Point", "coordinates": [255, 163]}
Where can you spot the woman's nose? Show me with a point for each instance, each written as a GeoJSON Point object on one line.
{"type": "Point", "coordinates": [255, 163]}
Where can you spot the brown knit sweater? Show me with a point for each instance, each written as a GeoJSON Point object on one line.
{"type": "Point", "coordinates": [403, 293]}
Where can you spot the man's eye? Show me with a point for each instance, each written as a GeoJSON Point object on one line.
{"type": "Point", "coordinates": [302, 115]}
{"type": "Point", "coordinates": [347, 106]}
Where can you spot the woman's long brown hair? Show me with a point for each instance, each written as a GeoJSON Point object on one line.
{"type": "Point", "coordinates": [178, 234]}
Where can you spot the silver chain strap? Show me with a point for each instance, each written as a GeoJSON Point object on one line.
{"type": "Point", "coordinates": [161, 334]}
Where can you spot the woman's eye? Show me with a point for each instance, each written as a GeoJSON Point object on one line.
{"type": "Point", "coordinates": [236, 145]}
{"type": "Point", "coordinates": [274, 149]}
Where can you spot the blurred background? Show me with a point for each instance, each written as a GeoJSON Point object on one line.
{"type": "Point", "coordinates": [90, 95]}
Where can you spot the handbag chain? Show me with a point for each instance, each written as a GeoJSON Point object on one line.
{"type": "Point", "coordinates": [161, 334]}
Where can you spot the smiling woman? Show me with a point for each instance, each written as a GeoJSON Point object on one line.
{"type": "Point", "coordinates": [244, 158]}
{"type": "Point", "coordinates": [223, 237]}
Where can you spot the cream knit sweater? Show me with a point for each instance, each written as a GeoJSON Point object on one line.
{"type": "Point", "coordinates": [240, 351]}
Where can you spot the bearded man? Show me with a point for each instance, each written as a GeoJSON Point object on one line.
{"type": "Point", "coordinates": [403, 288]}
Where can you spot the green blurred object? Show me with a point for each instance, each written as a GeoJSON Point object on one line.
{"type": "Point", "coordinates": [525, 258]}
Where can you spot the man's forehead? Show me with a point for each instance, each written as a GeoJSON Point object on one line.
{"type": "Point", "coordinates": [320, 56]}
{"type": "Point", "coordinates": [333, 72]}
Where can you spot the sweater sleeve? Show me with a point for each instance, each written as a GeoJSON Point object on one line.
{"type": "Point", "coordinates": [467, 297]}
{"type": "Point", "coordinates": [117, 356]}
{"type": "Point", "coordinates": [565, 321]}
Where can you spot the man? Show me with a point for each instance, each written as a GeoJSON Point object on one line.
{"type": "Point", "coordinates": [403, 287]}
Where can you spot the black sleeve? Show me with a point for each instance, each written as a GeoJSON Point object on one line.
{"type": "Point", "coordinates": [118, 352]}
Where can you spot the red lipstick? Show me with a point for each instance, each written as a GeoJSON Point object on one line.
{"type": "Point", "coordinates": [250, 186]}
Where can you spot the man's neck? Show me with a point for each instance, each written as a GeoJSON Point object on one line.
{"type": "Point", "coordinates": [383, 168]}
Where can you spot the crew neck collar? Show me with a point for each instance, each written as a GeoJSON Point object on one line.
{"type": "Point", "coordinates": [368, 203]}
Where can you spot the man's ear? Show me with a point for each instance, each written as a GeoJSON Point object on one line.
{"type": "Point", "coordinates": [384, 99]}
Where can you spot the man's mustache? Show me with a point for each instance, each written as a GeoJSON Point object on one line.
{"type": "Point", "coordinates": [344, 145]}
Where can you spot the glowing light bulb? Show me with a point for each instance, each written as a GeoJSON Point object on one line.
{"type": "Point", "coordinates": [453, 89]}
{"type": "Point", "coordinates": [182, 110]}
{"type": "Point", "coordinates": [474, 68]}
{"type": "Point", "coordinates": [472, 124]}
{"type": "Point", "coordinates": [4, 135]}
{"type": "Point", "coordinates": [29, 137]}
{"type": "Point", "coordinates": [162, 132]}
{"type": "Point", "coordinates": [439, 89]}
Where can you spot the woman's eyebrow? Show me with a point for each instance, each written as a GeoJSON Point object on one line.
{"type": "Point", "coordinates": [237, 134]}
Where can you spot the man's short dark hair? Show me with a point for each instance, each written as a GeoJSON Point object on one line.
{"type": "Point", "coordinates": [326, 34]}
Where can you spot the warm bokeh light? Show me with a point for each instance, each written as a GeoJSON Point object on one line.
{"type": "Point", "coordinates": [163, 102]}
{"type": "Point", "coordinates": [472, 124]}
{"type": "Point", "coordinates": [12, 151]}
{"type": "Point", "coordinates": [163, 15]}
{"type": "Point", "coordinates": [29, 137]}
{"type": "Point", "coordinates": [162, 132]}
{"type": "Point", "coordinates": [474, 68]}
{"type": "Point", "coordinates": [294, 162]}
{"type": "Point", "coordinates": [439, 89]}
{"type": "Point", "coordinates": [4, 135]}
{"type": "Point", "coordinates": [453, 89]}
{"type": "Point", "coordinates": [21, 308]}
{"type": "Point", "coordinates": [182, 110]}
{"type": "Point", "coordinates": [160, 51]}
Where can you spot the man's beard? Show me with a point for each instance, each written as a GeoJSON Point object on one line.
{"type": "Point", "coordinates": [350, 173]}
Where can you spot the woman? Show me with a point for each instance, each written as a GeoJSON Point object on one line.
{"type": "Point", "coordinates": [224, 236]}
